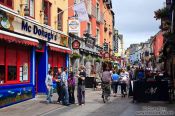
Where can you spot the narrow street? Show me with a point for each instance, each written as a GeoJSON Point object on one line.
{"type": "Point", "coordinates": [117, 106]}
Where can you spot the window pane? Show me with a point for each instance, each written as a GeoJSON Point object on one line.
{"type": "Point", "coordinates": [2, 74]}
{"type": "Point", "coordinates": [2, 1]}
{"type": "Point", "coordinates": [12, 73]}
{"type": "Point", "coordinates": [32, 8]}
{"type": "Point", "coordinates": [9, 3]}
{"type": "Point", "coordinates": [60, 17]}
{"type": "Point", "coordinates": [11, 56]}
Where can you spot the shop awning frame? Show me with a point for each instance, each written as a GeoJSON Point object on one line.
{"type": "Point", "coordinates": [16, 38]}
{"type": "Point", "coordinates": [58, 48]}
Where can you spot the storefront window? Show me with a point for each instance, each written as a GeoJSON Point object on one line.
{"type": "Point", "coordinates": [14, 64]}
{"type": "Point", "coordinates": [2, 74]}
{"type": "Point", "coordinates": [12, 73]}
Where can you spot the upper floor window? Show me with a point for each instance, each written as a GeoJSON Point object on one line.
{"type": "Point", "coordinates": [97, 11]}
{"type": "Point", "coordinates": [30, 7]}
{"type": "Point", "coordinates": [60, 19]}
{"type": "Point", "coordinates": [89, 28]}
{"type": "Point", "coordinates": [47, 12]}
{"type": "Point", "coordinates": [98, 36]}
{"type": "Point", "coordinates": [8, 3]}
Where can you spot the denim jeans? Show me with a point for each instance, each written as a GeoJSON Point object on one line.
{"type": "Point", "coordinates": [49, 95]}
{"type": "Point", "coordinates": [65, 95]}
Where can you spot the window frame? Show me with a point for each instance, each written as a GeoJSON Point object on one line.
{"type": "Point", "coordinates": [30, 9]}
{"type": "Point", "coordinates": [5, 4]}
{"type": "Point", "coordinates": [98, 36]}
{"type": "Point", "coordinates": [48, 6]}
{"type": "Point", "coordinates": [18, 65]}
{"type": "Point", "coordinates": [60, 15]}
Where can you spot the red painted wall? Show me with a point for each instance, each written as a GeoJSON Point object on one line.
{"type": "Point", "coordinates": [157, 44]}
{"type": "Point", "coordinates": [92, 20]}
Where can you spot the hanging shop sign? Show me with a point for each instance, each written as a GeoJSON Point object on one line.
{"type": "Point", "coordinates": [90, 42]}
{"type": "Point", "coordinates": [74, 26]}
{"type": "Point", "coordinates": [76, 44]}
{"type": "Point", "coordinates": [18, 24]}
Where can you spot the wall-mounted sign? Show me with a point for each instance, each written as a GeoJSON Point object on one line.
{"type": "Point", "coordinates": [90, 42]}
{"type": "Point", "coordinates": [18, 24]}
{"type": "Point", "coordinates": [75, 44]}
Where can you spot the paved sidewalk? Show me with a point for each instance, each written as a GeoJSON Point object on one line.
{"type": "Point", "coordinates": [36, 106]}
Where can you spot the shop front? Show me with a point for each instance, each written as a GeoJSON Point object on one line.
{"type": "Point", "coordinates": [27, 51]}
{"type": "Point", "coordinates": [16, 68]}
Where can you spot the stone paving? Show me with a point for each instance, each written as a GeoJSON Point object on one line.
{"type": "Point", "coordinates": [94, 106]}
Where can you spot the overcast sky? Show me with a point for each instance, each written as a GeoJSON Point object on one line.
{"type": "Point", "coordinates": [135, 19]}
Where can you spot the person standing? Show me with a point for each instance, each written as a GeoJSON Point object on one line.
{"type": "Point", "coordinates": [65, 93]}
{"type": "Point", "coordinates": [115, 78]}
{"type": "Point", "coordinates": [81, 85]}
{"type": "Point", "coordinates": [59, 85]}
{"type": "Point", "coordinates": [49, 85]}
{"type": "Point", "coordinates": [71, 87]}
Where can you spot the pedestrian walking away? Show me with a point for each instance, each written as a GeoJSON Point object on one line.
{"type": "Point", "coordinates": [115, 78]}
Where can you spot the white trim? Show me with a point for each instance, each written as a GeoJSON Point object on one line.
{"type": "Point", "coordinates": [8, 9]}
{"type": "Point", "coordinates": [26, 18]}
{"type": "Point", "coordinates": [57, 46]}
{"type": "Point", "coordinates": [19, 36]}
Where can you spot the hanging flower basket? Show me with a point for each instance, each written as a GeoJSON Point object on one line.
{"type": "Point", "coordinates": [105, 29]}
{"type": "Point", "coordinates": [98, 60]}
{"type": "Point", "coordinates": [110, 32]}
{"type": "Point", "coordinates": [161, 13]}
{"type": "Point", "coordinates": [75, 56]}
{"type": "Point", "coordinates": [88, 58]}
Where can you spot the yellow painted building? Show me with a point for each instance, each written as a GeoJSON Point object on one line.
{"type": "Point", "coordinates": [19, 6]}
{"type": "Point", "coordinates": [33, 40]}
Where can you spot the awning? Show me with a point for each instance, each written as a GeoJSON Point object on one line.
{"type": "Point", "coordinates": [19, 39]}
{"type": "Point", "coordinates": [58, 48]}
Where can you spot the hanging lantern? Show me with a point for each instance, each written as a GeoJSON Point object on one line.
{"type": "Point", "coordinates": [45, 19]}
{"type": "Point", "coordinates": [26, 11]}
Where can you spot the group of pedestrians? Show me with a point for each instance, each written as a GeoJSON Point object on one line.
{"type": "Point", "coordinates": [121, 78]}
{"type": "Point", "coordinates": [65, 86]}
{"type": "Point", "coordinates": [116, 78]}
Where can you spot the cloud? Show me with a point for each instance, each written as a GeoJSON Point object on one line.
{"type": "Point", "coordinates": [135, 19]}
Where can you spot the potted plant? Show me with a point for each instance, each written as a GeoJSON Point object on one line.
{"type": "Point", "coordinates": [75, 56]}
{"type": "Point", "coordinates": [161, 13]}
{"type": "Point", "coordinates": [105, 28]}
{"type": "Point", "coordinates": [98, 60]}
{"type": "Point", "coordinates": [88, 58]}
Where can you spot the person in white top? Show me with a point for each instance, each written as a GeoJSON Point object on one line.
{"type": "Point", "coordinates": [49, 85]}
{"type": "Point", "coordinates": [124, 76]}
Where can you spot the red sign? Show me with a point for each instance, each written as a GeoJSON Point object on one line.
{"type": "Point", "coordinates": [106, 55]}
{"type": "Point", "coordinates": [76, 44]}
